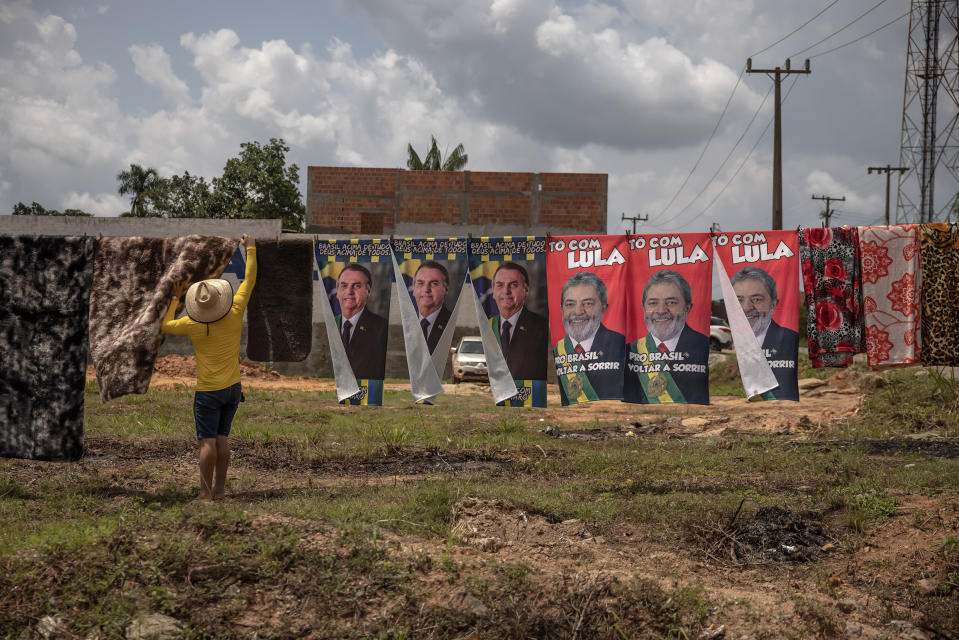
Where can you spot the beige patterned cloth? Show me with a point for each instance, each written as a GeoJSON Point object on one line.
{"type": "Point", "coordinates": [133, 281]}
{"type": "Point", "coordinates": [890, 294]}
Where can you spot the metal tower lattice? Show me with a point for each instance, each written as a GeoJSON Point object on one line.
{"type": "Point", "coordinates": [930, 113]}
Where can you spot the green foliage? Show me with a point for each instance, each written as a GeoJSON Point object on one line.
{"type": "Point", "coordinates": [138, 182]}
{"type": "Point", "coordinates": [258, 184]}
{"type": "Point", "coordinates": [434, 160]}
{"type": "Point", "coordinates": [185, 196]}
{"type": "Point", "coordinates": [36, 209]}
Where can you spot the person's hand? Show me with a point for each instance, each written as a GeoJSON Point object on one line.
{"type": "Point", "coordinates": [180, 288]}
{"type": "Point", "coordinates": [248, 241]}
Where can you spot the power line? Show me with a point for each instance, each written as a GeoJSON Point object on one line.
{"type": "Point", "coordinates": [729, 100]}
{"type": "Point", "coordinates": [824, 9]}
{"type": "Point", "coordinates": [841, 29]}
{"type": "Point", "coordinates": [895, 20]}
{"type": "Point", "coordinates": [745, 159]}
{"type": "Point", "coordinates": [706, 146]}
{"type": "Point", "coordinates": [725, 160]}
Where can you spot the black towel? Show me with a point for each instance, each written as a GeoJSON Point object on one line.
{"type": "Point", "coordinates": [280, 314]}
{"type": "Point", "coordinates": [44, 302]}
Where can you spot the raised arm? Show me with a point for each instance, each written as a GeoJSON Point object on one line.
{"type": "Point", "coordinates": [170, 324]}
{"type": "Point", "coordinates": [242, 297]}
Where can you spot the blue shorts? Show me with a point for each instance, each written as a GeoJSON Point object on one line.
{"type": "Point", "coordinates": [214, 411]}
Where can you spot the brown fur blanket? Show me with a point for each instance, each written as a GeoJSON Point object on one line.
{"type": "Point", "coordinates": [280, 314]}
{"type": "Point", "coordinates": [44, 301]}
{"type": "Point", "coordinates": [133, 281]}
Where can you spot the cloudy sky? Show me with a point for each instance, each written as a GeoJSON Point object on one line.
{"type": "Point", "coordinates": [631, 88]}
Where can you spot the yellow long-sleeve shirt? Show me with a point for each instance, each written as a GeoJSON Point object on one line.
{"type": "Point", "coordinates": [217, 349]}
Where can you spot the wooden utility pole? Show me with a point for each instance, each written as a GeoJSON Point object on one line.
{"type": "Point", "coordinates": [825, 215]}
{"type": "Point", "coordinates": [888, 169]}
{"type": "Point", "coordinates": [636, 219]}
{"type": "Point", "coordinates": [778, 72]}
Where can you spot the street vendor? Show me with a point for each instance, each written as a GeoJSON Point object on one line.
{"type": "Point", "coordinates": [214, 321]}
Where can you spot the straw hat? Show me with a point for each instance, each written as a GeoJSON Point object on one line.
{"type": "Point", "coordinates": [209, 300]}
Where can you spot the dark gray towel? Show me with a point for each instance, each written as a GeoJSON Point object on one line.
{"type": "Point", "coordinates": [280, 315]}
{"type": "Point", "coordinates": [44, 301]}
{"type": "Point", "coordinates": [133, 282]}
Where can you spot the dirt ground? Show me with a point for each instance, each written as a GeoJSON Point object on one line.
{"type": "Point", "coordinates": [837, 399]}
{"type": "Point", "coordinates": [762, 586]}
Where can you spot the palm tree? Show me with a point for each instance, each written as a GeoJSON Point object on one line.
{"type": "Point", "coordinates": [137, 181]}
{"type": "Point", "coordinates": [455, 161]}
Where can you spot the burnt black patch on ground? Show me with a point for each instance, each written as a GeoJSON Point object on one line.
{"type": "Point", "coordinates": [771, 535]}
{"type": "Point", "coordinates": [933, 447]}
{"type": "Point", "coordinates": [288, 454]}
{"type": "Point", "coordinates": [604, 433]}
{"type": "Point", "coordinates": [774, 534]}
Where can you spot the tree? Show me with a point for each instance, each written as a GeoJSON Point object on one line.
{"type": "Point", "coordinates": [36, 209]}
{"type": "Point", "coordinates": [183, 196]}
{"type": "Point", "coordinates": [258, 184]}
{"type": "Point", "coordinates": [138, 181]}
{"type": "Point", "coordinates": [455, 161]}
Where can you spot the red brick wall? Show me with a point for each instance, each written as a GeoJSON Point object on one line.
{"type": "Point", "coordinates": [371, 201]}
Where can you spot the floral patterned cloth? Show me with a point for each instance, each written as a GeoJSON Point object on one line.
{"type": "Point", "coordinates": [832, 285]}
{"type": "Point", "coordinates": [940, 293]}
{"type": "Point", "coordinates": [890, 294]}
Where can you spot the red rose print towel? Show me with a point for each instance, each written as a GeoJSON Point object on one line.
{"type": "Point", "coordinates": [940, 294]}
{"type": "Point", "coordinates": [890, 294]}
{"type": "Point", "coordinates": [832, 285]}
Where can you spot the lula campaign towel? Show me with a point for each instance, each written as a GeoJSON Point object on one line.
{"type": "Point", "coordinates": [280, 315]}
{"type": "Point", "coordinates": [133, 281]}
{"type": "Point", "coordinates": [940, 294]}
{"type": "Point", "coordinates": [44, 301]}
{"type": "Point", "coordinates": [832, 284]}
{"type": "Point", "coordinates": [890, 294]}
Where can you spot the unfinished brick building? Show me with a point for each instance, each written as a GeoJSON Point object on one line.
{"type": "Point", "coordinates": [373, 201]}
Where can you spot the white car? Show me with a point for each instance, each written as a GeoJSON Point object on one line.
{"type": "Point", "coordinates": [469, 360]}
{"type": "Point", "coordinates": [720, 336]}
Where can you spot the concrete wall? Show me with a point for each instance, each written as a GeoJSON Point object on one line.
{"type": "Point", "coordinates": [127, 227]}
{"type": "Point", "coordinates": [376, 201]}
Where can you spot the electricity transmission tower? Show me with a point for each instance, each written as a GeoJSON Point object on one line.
{"type": "Point", "coordinates": [930, 112]}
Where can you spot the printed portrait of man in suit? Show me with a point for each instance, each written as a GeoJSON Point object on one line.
{"type": "Point", "coordinates": [363, 332]}
{"type": "Point", "coordinates": [669, 364]}
{"type": "Point", "coordinates": [431, 284]}
{"type": "Point", "coordinates": [522, 334]}
{"type": "Point", "coordinates": [758, 295]}
{"type": "Point", "coordinates": [590, 356]}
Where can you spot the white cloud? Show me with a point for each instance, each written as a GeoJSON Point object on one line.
{"type": "Point", "coordinates": [153, 65]}
{"type": "Point", "coordinates": [99, 204]}
{"type": "Point", "coordinates": [857, 209]}
{"type": "Point", "coordinates": [58, 127]}
{"type": "Point", "coordinates": [564, 78]}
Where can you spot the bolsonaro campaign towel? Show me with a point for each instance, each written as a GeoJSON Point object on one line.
{"type": "Point", "coordinates": [357, 277]}
{"type": "Point", "coordinates": [508, 275]}
{"type": "Point", "coordinates": [430, 273]}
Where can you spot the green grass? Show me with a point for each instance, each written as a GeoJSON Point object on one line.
{"type": "Point", "coordinates": [105, 538]}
